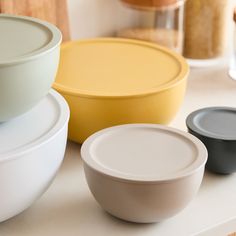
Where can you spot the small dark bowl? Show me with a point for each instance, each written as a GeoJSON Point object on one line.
{"type": "Point", "coordinates": [216, 128]}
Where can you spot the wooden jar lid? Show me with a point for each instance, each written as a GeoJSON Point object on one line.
{"type": "Point", "coordinates": [151, 3]}
{"type": "Point", "coordinates": [234, 17]}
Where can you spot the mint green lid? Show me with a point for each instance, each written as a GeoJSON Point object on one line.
{"type": "Point", "coordinates": [25, 37]}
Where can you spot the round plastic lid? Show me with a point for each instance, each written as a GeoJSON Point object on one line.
{"type": "Point", "coordinates": [144, 152]}
{"type": "Point", "coordinates": [35, 127]}
{"type": "Point", "coordinates": [25, 37]}
{"type": "Point", "coordinates": [214, 122]}
{"type": "Point", "coordinates": [117, 67]}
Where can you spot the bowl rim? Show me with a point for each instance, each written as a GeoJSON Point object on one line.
{"type": "Point", "coordinates": [56, 128]}
{"type": "Point", "coordinates": [51, 45]}
{"type": "Point", "coordinates": [197, 165]}
{"type": "Point", "coordinates": [182, 76]}
{"type": "Point", "coordinates": [191, 125]}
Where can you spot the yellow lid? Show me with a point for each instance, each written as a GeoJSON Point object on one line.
{"type": "Point", "coordinates": [111, 67]}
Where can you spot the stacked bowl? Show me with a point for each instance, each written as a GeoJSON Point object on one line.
{"type": "Point", "coordinates": [110, 81]}
{"type": "Point", "coordinates": [33, 119]}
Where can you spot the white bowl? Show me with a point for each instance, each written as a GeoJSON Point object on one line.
{"type": "Point", "coordinates": [29, 56]}
{"type": "Point", "coordinates": [143, 173]}
{"type": "Point", "coordinates": [32, 149]}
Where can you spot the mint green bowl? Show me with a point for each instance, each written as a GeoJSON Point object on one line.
{"type": "Point", "coordinates": [29, 56]}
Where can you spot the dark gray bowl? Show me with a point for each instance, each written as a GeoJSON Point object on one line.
{"type": "Point", "coordinates": [216, 128]}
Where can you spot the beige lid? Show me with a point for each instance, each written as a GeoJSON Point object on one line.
{"type": "Point", "coordinates": [151, 3]}
{"type": "Point", "coordinates": [143, 153]}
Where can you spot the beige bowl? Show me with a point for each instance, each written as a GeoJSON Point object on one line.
{"type": "Point", "coordinates": [143, 173]}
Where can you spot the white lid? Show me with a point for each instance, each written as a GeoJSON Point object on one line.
{"type": "Point", "coordinates": [25, 37]}
{"type": "Point", "coordinates": [144, 152]}
{"type": "Point", "coordinates": [33, 128]}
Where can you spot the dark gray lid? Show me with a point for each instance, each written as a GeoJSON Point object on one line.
{"type": "Point", "coordinates": [214, 122]}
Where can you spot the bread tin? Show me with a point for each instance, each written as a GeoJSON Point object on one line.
{"type": "Point", "coordinates": [216, 128]}
{"type": "Point", "coordinates": [28, 62]}
{"type": "Point", "coordinates": [32, 149]}
{"type": "Point", "coordinates": [143, 172]}
{"type": "Point", "coordinates": [112, 81]}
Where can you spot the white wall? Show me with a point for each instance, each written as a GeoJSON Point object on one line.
{"type": "Point", "coordinates": [93, 18]}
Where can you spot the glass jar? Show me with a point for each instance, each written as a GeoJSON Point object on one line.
{"type": "Point", "coordinates": [205, 31]}
{"type": "Point", "coordinates": [159, 21]}
{"type": "Point", "coordinates": [232, 66]}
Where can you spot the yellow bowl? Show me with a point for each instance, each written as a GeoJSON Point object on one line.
{"type": "Point", "coordinates": [111, 81]}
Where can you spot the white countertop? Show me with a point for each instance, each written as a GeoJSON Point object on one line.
{"type": "Point", "coordinates": [68, 208]}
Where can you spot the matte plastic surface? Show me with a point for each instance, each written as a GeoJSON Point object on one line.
{"type": "Point", "coordinates": [108, 82]}
{"type": "Point", "coordinates": [33, 150]}
{"type": "Point", "coordinates": [129, 190]}
{"type": "Point", "coordinates": [28, 63]}
{"type": "Point", "coordinates": [215, 127]}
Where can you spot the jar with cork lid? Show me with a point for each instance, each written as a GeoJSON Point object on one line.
{"type": "Point", "coordinates": [232, 65]}
{"type": "Point", "coordinates": [158, 21]}
{"type": "Point", "coordinates": [206, 22]}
